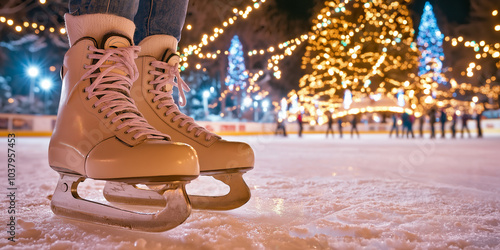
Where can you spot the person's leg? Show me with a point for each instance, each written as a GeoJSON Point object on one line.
{"type": "Point", "coordinates": [123, 8]}
{"type": "Point", "coordinates": [161, 21]}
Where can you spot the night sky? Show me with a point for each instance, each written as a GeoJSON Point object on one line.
{"type": "Point", "coordinates": [454, 11]}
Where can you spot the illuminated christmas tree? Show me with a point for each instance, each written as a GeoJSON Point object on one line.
{"type": "Point", "coordinates": [364, 46]}
{"type": "Point", "coordinates": [432, 81]}
{"type": "Point", "coordinates": [430, 44]}
{"type": "Point", "coordinates": [236, 72]}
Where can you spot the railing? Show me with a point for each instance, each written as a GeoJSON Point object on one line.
{"type": "Point", "coordinates": [43, 125]}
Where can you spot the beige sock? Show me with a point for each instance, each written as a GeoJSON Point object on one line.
{"type": "Point", "coordinates": [157, 44]}
{"type": "Point", "coordinates": [96, 26]}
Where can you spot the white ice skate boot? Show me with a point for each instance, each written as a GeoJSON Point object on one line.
{"type": "Point", "coordinates": [224, 160]}
{"type": "Point", "coordinates": [100, 134]}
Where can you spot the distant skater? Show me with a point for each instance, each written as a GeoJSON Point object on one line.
{"type": "Point", "coordinates": [330, 124]}
{"type": "Point", "coordinates": [405, 119]}
{"type": "Point", "coordinates": [432, 120]}
{"type": "Point", "coordinates": [354, 123]}
{"type": "Point", "coordinates": [411, 119]}
{"type": "Point", "coordinates": [465, 119]}
{"type": "Point", "coordinates": [478, 123]}
{"type": "Point", "coordinates": [421, 123]}
{"type": "Point", "coordinates": [280, 127]}
{"type": "Point", "coordinates": [339, 122]}
{"type": "Point", "coordinates": [394, 126]}
{"type": "Point", "coordinates": [453, 125]}
{"type": "Point", "coordinates": [299, 121]}
{"type": "Point", "coordinates": [442, 119]}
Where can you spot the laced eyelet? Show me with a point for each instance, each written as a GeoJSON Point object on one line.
{"type": "Point", "coordinates": [88, 47]}
{"type": "Point", "coordinates": [88, 56]}
{"type": "Point", "coordinates": [99, 111]}
{"type": "Point", "coordinates": [172, 120]}
{"type": "Point", "coordinates": [126, 132]}
{"type": "Point", "coordinates": [179, 126]}
{"type": "Point", "coordinates": [93, 106]}
{"type": "Point", "coordinates": [196, 135]}
{"type": "Point", "coordinates": [84, 66]}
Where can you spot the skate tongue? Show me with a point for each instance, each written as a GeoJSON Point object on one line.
{"type": "Point", "coordinates": [114, 41]}
{"type": "Point", "coordinates": [172, 59]}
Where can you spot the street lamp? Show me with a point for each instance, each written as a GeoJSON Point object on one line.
{"type": "Point", "coordinates": [46, 85]}
{"type": "Point", "coordinates": [32, 73]}
{"type": "Point", "coordinates": [205, 95]}
{"type": "Point", "coordinates": [265, 105]}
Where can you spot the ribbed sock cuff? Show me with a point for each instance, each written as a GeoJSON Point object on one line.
{"type": "Point", "coordinates": [96, 26]}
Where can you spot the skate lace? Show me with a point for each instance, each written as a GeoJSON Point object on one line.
{"type": "Point", "coordinates": [111, 85]}
{"type": "Point", "coordinates": [165, 76]}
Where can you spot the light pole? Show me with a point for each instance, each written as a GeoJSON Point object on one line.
{"type": "Point", "coordinates": [32, 73]}
{"type": "Point", "coordinates": [46, 85]}
{"type": "Point", "coordinates": [206, 94]}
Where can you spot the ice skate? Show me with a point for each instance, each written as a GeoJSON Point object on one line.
{"type": "Point", "coordinates": [224, 160]}
{"type": "Point", "coordinates": [100, 133]}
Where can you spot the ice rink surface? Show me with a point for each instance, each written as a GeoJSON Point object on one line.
{"type": "Point", "coordinates": [307, 193]}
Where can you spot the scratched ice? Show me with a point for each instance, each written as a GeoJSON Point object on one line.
{"type": "Point", "coordinates": [372, 192]}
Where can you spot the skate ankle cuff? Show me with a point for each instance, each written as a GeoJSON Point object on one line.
{"type": "Point", "coordinates": [156, 45]}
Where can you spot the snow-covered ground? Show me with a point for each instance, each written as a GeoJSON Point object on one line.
{"type": "Point", "coordinates": [373, 192]}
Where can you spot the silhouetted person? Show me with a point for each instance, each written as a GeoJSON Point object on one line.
{"type": "Point", "coordinates": [299, 120]}
{"type": "Point", "coordinates": [339, 122]}
{"type": "Point", "coordinates": [478, 122]}
{"type": "Point", "coordinates": [432, 120]}
{"type": "Point", "coordinates": [411, 119]}
{"type": "Point", "coordinates": [453, 125]}
{"type": "Point", "coordinates": [330, 124]}
{"type": "Point", "coordinates": [421, 125]}
{"type": "Point", "coordinates": [281, 127]}
{"type": "Point", "coordinates": [405, 120]}
{"type": "Point", "coordinates": [394, 125]}
{"type": "Point", "coordinates": [465, 119]}
{"type": "Point", "coordinates": [354, 123]}
{"type": "Point", "coordinates": [443, 118]}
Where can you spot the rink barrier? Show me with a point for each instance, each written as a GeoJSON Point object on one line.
{"type": "Point", "coordinates": [42, 125]}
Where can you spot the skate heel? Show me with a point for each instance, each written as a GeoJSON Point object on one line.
{"type": "Point", "coordinates": [67, 203]}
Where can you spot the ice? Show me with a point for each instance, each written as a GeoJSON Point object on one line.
{"type": "Point", "coordinates": [310, 192]}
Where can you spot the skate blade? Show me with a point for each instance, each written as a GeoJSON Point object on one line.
{"type": "Point", "coordinates": [67, 203]}
{"type": "Point", "coordinates": [238, 195]}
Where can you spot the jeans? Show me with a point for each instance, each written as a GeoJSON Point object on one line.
{"type": "Point", "coordinates": [151, 17]}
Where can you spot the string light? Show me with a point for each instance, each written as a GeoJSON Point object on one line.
{"type": "Point", "coordinates": [195, 49]}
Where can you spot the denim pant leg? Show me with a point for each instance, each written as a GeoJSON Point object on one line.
{"type": "Point", "coordinates": [123, 8]}
{"type": "Point", "coordinates": [160, 17]}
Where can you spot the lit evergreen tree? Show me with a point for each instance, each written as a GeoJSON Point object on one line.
{"type": "Point", "coordinates": [430, 43]}
{"type": "Point", "coordinates": [364, 46]}
{"type": "Point", "coordinates": [236, 72]}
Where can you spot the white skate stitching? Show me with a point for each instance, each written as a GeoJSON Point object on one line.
{"type": "Point", "coordinates": [167, 76]}
{"type": "Point", "coordinates": [113, 89]}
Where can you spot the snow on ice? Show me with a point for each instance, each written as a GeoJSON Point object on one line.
{"type": "Point", "coordinates": [373, 193]}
